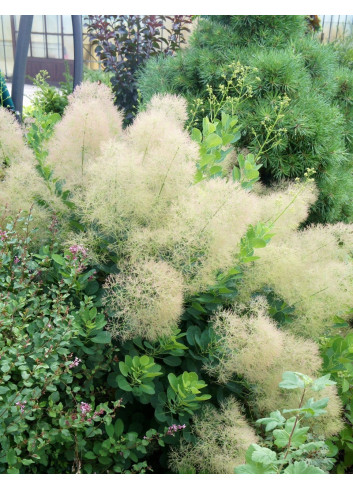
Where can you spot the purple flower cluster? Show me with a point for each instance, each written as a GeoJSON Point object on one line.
{"type": "Point", "coordinates": [16, 260]}
{"type": "Point", "coordinates": [85, 408]}
{"type": "Point", "coordinates": [78, 250]}
{"type": "Point", "coordinates": [175, 428]}
{"type": "Point", "coordinates": [75, 363]}
{"type": "Point", "coordinates": [21, 405]}
{"type": "Point", "coordinates": [78, 255]}
{"type": "Point", "coordinates": [3, 235]}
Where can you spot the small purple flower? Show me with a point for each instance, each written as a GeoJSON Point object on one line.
{"type": "Point", "coordinates": [174, 429]}
{"type": "Point", "coordinates": [21, 405]}
{"type": "Point", "coordinates": [16, 260]}
{"type": "Point", "coordinates": [78, 249]}
{"type": "Point", "coordinates": [99, 413]}
{"type": "Point", "coordinates": [75, 363]}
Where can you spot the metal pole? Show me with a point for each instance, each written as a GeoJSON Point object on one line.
{"type": "Point", "coordinates": [19, 72]}
{"type": "Point", "coordinates": [78, 49]}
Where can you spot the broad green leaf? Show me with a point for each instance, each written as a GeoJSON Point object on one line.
{"type": "Point", "coordinates": [59, 259]}
{"type": "Point", "coordinates": [123, 383]}
{"type": "Point", "coordinates": [264, 456]}
{"type": "Point", "coordinates": [236, 174]}
{"type": "Point", "coordinates": [172, 361]}
{"type": "Point", "coordinates": [275, 419]}
{"type": "Point", "coordinates": [110, 430]}
{"type": "Point", "coordinates": [90, 455]}
{"type": "Point", "coordinates": [103, 337]}
{"type": "Point", "coordinates": [298, 438]}
{"type": "Point", "coordinates": [145, 360]}
{"type": "Point", "coordinates": [173, 382]}
{"type": "Point", "coordinates": [213, 140]}
{"type": "Point", "coordinates": [11, 456]}
{"type": "Point", "coordinates": [257, 243]}
{"type": "Point", "coordinates": [260, 460]}
{"type": "Point", "coordinates": [196, 135]}
{"type": "Point", "coordinates": [119, 427]}
{"type": "Point", "coordinates": [227, 139]}
{"type": "Point", "coordinates": [322, 382]}
{"type": "Point", "coordinates": [302, 468]}
{"type": "Point", "coordinates": [290, 380]}
{"type": "Point", "coordinates": [215, 169]}
{"type": "Point", "coordinates": [315, 408]}
{"type": "Point", "coordinates": [147, 389]}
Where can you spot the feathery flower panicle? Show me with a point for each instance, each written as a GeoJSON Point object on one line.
{"type": "Point", "coordinates": [299, 197]}
{"type": "Point", "coordinates": [144, 174]}
{"type": "Point", "coordinates": [21, 189]}
{"type": "Point", "coordinates": [146, 300]}
{"type": "Point", "coordinates": [20, 182]}
{"type": "Point", "coordinates": [311, 270]}
{"type": "Point", "coordinates": [255, 349]}
{"type": "Point", "coordinates": [202, 233]}
{"type": "Point", "coordinates": [223, 436]}
{"type": "Point", "coordinates": [12, 146]}
{"type": "Point", "coordinates": [250, 345]}
{"type": "Point", "coordinates": [89, 121]}
{"type": "Point", "coordinates": [171, 105]}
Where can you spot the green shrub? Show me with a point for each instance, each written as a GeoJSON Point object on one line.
{"type": "Point", "coordinates": [283, 61]}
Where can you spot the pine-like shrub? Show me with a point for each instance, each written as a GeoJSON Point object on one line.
{"type": "Point", "coordinates": [285, 60]}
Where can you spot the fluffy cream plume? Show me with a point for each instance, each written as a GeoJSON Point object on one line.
{"type": "Point", "coordinates": [172, 106]}
{"type": "Point", "coordinates": [89, 121]}
{"type": "Point", "coordinates": [311, 270]}
{"type": "Point", "coordinates": [147, 300]}
{"type": "Point", "coordinates": [223, 436]}
{"type": "Point", "coordinates": [21, 186]}
{"type": "Point", "coordinates": [257, 350]}
{"type": "Point", "coordinates": [287, 204]}
{"type": "Point", "coordinates": [12, 146]}
{"type": "Point", "coordinates": [143, 174]}
{"type": "Point", "coordinates": [251, 345]}
{"type": "Point", "coordinates": [21, 189]}
{"type": "Point", "coordinates": [202, 233]}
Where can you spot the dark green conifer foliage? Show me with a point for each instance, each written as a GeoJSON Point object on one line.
{"type": "Point", "coordinates": [316, 77]}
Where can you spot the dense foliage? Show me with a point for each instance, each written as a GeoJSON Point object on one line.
{"type": "Point", "coordinates": [145, 326]}
{"type": "Point", "coordinates": [281, 60]}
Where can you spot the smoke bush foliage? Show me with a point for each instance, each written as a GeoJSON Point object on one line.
{"type": "Point", "coordinates": [317, 123]}
{"type": "Point", "coordinates": [176, 268]}
{"type": "Point", "coordinates": [123, 42]}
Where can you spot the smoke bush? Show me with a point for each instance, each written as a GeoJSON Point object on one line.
{"type": "Point", "coordinates": [223, 436]}
{"type": "Point", "coordinates": [311, 270]}
{"type": "Point", "coordinates": [12, 146]}
{"type": "Point", "coordinates": [146, 300]}
{"type": "Point", "coordinates": [256, 349]}
{"type": "Point", "coordinates": [89, 121]}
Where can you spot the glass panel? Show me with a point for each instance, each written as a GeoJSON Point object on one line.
{"type": "Point", "coordinates": [38, 45]}
{"type": "Point", "coordinates": [54, 47]}
{"type": "Point", "coordinates": [53, 23]}
{"type": "Point", "coordinates": [17, 21]}
{"type": "Point", "coordinates": [5, 27]}
{"type": "Point", "coordinates": [6, 59]}
{"type": "Point", "coordinates": [67, 24]}
{"type": "Point", "coordinates": [38, 23]}
{"type": "Point", "coordinates": [9, 59]}
{"type": "Point", "coordinates": [68, 47]}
